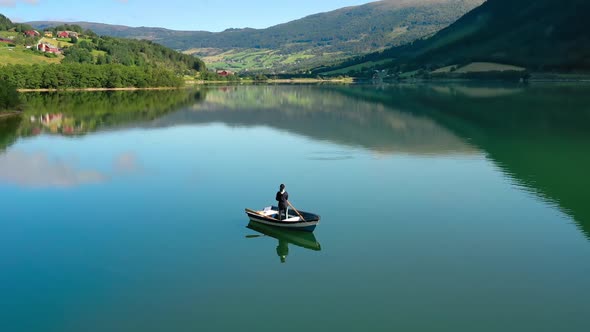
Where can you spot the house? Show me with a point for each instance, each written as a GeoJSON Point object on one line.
{"type": "Point", "coordinates": [32, 33]}
{"type": "Point", "coordinates": [224, 73]}
{"type": "Point", "coordinates": [67, 34]}
{"type": "Point", "coordinates": [4, 40]}
{"type": "Point", "coordinates": [48, 48]}
{"type": "Point", "coordinates": [48, 34]}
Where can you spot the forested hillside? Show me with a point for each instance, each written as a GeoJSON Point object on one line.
{"type": "Point", "coordinates": [543, 35]}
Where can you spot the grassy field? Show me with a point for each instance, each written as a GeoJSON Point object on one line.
{"type": "Point", "coordinates": [22, 56]}
{"type": "Point", "coordinates": [475, 67]}
{"type": "Point", "coordinates": [360, 66]}
{"type": "Point", "coordinates": [445, 70]}
{"type": "Point", "coordinates": [241, 60]}
{"type": "Point", "coordinates": [6, 34]}
{"type": "Point", "coordinates": [97, 53]}
{"type": "Point", "coordinates": [294, 58]}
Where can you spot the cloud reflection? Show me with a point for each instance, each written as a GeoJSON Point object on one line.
{"type": "Point", "coordinates": [37, 170]}
{"type": "Point", "coordinates": [126, 163]}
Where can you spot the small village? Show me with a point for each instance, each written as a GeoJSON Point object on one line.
{"type": "Point", "coordinates": [46, 42]}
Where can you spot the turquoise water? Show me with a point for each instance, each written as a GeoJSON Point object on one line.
{"type": "Point", "coordinates": [444, 208]}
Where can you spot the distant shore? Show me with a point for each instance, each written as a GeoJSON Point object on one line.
{"type": "Point", "coordinates": [9, 114]}
{"type": "Point", "coordinates": [275, 81]}
{"type": "Point", "coordinates": [555, 78]}
{"type": "Point", "coordinates": [97, 89]}
{"type": "Point", "coordinates": [192, 83]}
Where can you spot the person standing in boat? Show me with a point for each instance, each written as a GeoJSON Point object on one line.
{"type": "Point", "coordinates": [283, 198]}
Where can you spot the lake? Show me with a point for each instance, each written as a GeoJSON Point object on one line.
{"type": "Point", "coordinates": [444, 208]}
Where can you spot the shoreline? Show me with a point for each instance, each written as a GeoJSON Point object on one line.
{"type": "Point", "coordinates": [279, 80]}
{"type": "Point", "coordinates": [188, 85]}
{"type": "Point", "coordinates": [193, 83]}
{"type": "Point", "coordinates": [4, 115]}
{"type": "Point", "coordinates": [97, 89]}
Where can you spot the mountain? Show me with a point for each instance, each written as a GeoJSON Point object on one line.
{"type": "Point", "coordinates": [542, 35]}
{"type": "Point", "coordinates": [308, 41]}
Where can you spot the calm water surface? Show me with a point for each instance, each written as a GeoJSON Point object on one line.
{"type": "Point", "coordinates": [444, 208]}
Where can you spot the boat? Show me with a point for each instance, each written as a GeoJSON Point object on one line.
{"type": "Point", "coordinates": [269, 216]}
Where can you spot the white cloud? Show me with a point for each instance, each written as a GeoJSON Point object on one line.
{"type": "Point", "coordinates": [12, 3]}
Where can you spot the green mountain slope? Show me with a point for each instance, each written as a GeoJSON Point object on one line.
{"type": "Point", "coordinates": [538, 35]}
{"type": "Point", "coordinates": [308, 41]}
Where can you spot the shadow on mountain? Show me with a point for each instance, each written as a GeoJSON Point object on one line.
{"type": "Point", "coordinates": [538, 135]}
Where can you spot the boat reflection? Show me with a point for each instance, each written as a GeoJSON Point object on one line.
{"type": "Point", "coordinates": [285, 237]}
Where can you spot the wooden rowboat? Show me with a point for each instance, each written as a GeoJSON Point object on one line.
{"type": "Point", "coordinates": [269, 216]}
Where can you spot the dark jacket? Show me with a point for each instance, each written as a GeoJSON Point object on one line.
{"type": "Point", "coordinates": [282, 199]}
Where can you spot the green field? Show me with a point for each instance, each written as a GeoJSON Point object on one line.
{"type": "Point", "coordinates": [97, 53]}
{"type": "Point", "coordinates": [6, 34]}
{"type": "Point", "coordinates": [59, 42]}
{"type": "Point", "coordinates": [248, 60]}
{"type": "Point", "coordinates": [243, 60]}
{"type": "Point", "coordinates": [360, 66]}
{"type": "Point", "coordinates": [477, 67]}
{"type": "Point", "coordinates": [486, 66]}
{"type": "Point", "coordinates": [22, 56]}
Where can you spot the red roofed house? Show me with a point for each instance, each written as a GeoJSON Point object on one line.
{"type": "Point", "coordinates": [224, 73]}
{"type": "Point", "coordinates": [67, 34]}
{"type": "Point", "coordinates": [32, 33]}
{"type": "Point", "coordinates": [48, 48]}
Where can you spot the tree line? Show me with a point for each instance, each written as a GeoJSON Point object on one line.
{"type": "Point", "coordinates": [75, 75]}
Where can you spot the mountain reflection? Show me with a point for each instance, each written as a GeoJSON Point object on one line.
{"type": "Point", "coordinates": [539, 136]}
{"type": "Point", "coordinates": [322, 114]}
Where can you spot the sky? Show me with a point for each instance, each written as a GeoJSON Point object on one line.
{"type": "Point", "coordinates": [209, 15]}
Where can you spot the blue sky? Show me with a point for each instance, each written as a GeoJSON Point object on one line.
{"type": "Point", "coordinates": [211, 15]}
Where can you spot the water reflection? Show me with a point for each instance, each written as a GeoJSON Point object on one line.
{"type": "Point", "coordinates": [285, 237]}
{"type": "Point", "coordinates": [8, 131]}
{"type": "Point", "coordinates": [78, 113]}
{"type": "Point", "coordinates": [539, 136]}
{"type": "Point", "coordinates": [322, 114]}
